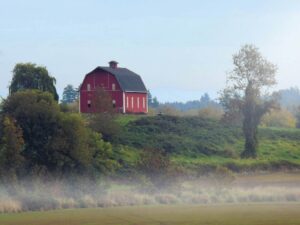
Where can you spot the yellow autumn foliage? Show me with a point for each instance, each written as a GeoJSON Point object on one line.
{"type": "Point", "coordinates": [279, 118]}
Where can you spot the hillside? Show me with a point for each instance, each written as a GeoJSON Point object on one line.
{"type": "Point", "coordinates": [193, 141]}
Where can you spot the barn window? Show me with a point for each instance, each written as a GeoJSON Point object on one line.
{"type": "Point", "coordinates": [88, 87]}
{"type": "Point", "coordinates": [138, 102]}
{"type": "Point", "coordinates": [89, 103]}
{"type": "Point", "coordinates": [132, 102]}
{"type": "Point", "coordinates": [114, 103]}
{"type": "Point", "coordinates": [113, 87]}
{"type": "Point", "coordinates": [144, 102]}
{"type": "Point", "coordinates": [127, 102]}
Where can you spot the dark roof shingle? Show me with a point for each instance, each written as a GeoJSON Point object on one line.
{"type": "Point", "coordinates": [128, 80]}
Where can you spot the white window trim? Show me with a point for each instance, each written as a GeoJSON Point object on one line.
{"type": "Point", "coordinates": [138, 102]}
{"type": "Point", "coordinates": [132, 103]}
{"type": "Point", "coordinates": [123, 104]}
{"type": "Point", "coordinates": [88, 87]}
{"type": "Point", "coordinates": [147, 103]}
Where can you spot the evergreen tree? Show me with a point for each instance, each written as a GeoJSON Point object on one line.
{"type": "Point", "coordinates": [152, 101]}
{"type": "Point", "coordinates": [70, 94]}
{"type": "Point", "coordinates": [205, 99]}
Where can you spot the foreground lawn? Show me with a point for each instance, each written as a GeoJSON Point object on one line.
{"type": "Point", "coordinates": [235, 214]}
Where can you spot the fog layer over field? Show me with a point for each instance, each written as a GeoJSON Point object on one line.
{"type": "Point", "coordinates": [56, 194]}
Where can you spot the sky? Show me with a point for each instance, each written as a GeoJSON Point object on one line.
{"type": "Point", "coordinates": [181, 48]}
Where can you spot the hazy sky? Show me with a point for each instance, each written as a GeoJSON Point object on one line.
{"type": "Point", "coordinates": [180, 48]}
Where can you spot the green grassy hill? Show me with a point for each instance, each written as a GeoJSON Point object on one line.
{"type": "Point", "coordinates": [198, 142]}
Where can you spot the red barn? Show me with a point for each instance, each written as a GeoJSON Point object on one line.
{"type": "Point", "coordinates": [126, 88]}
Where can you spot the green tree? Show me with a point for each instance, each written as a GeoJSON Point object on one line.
{"type": "Point", "coordinates": [79, 149]}
{"type": "Point", "coordinates": [68, 150]}
{"type": "Point", "coordinates": [103, 118]}
{"type": "Point", "coordinates": [31, 76]}
{"type": "Point", "coordinates": [205, 99]}
{"type": "Point", "coordinates": [251, 76]}
{"type": "Point", "coordinates": [37, 114]}
{"type": "Point", "coordinates": [103, 160]}
{"type": "Point", "coordinates": [54, 142]}
{"type": "Point", "coordinates": [70, 94]}
{"type": "Point", "coordinates": [11, 147]}
{"type": "Point", "coordinates": [152, 101]}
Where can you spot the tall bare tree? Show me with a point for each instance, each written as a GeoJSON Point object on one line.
{"type": "Point", "coordinates": [246, 93]}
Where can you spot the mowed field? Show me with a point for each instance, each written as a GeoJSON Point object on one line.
{"type": "Point", "coordinates": [228, 214]}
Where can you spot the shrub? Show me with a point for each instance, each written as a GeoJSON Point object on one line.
{"type": "Point", "coordinates": [279, 118]}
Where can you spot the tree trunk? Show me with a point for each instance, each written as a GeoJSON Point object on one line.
{"type": "Point", "coordinates": [250, 123]}
{"type": "Point", "coordinates": [251, 142]}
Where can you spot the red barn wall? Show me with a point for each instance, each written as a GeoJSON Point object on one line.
{"type": "Point", "coordinates": [136, 102]}
{"type": "Point", "coordinates": [98, 79]}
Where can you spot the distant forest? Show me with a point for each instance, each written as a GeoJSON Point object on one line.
{"type": "Point", "coordinates": [204, 102]}
{"type": "Point", "coordinates": [288, 99]}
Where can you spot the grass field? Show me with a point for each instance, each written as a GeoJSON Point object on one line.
{"type": "Point", "coordinates": [235, 214]}
{"type": "Point", "coordinates": [195, 143]}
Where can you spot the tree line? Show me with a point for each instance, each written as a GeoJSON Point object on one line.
{"type": "Point", "coordinates": [38, 138]}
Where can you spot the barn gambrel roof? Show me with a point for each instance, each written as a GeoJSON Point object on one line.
{"type": "Point", "coordinates": [128, 80]}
